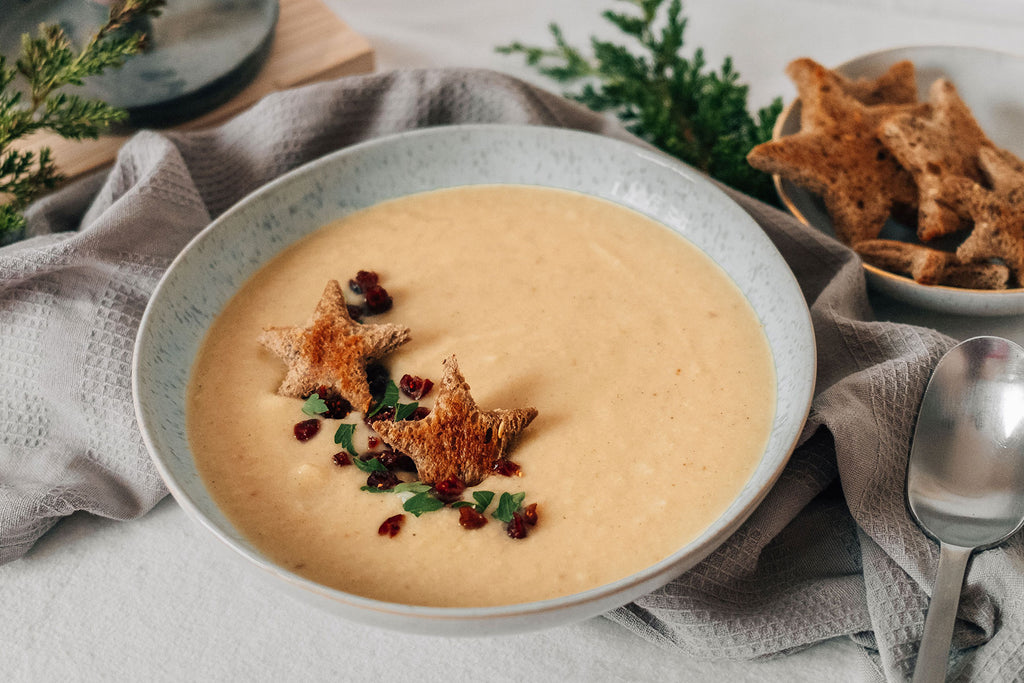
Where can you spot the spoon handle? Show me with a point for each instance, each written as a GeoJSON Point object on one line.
{"type": "Point", "coordinates": [933, 657]}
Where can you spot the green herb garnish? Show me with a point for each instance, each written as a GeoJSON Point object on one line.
{"type": "Point", "coordinates": [422, 502]}
{"type": "Point", "coordinates": [389, 400]}
{"type": "Point", "coordinates": [508, 505]}
{"type": "Point", "coordinates": [699, 116]}
{"type": "Point", "coordinates": [483, 499]}
{"type": "Point", "coordinates": [371, 465]}
{"type": "Point", "coordinates": [47, 63]}
{"type": "Point", "coordinates": [404, 487]}
{"type": "Point", "coordinates": [344, 437]}
{"type": "Point", "coordinates": [412, 486]}
{"type": "Point", "coordinates": [404, 410]}
{"type": "Point", "coordinates": [314, 406]}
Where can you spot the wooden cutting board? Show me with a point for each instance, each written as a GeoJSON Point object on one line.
{"type": "Point", "coordinates": [310, 44]}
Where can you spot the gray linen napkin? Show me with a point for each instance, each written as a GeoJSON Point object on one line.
{"type": "Point", "coordinates": [831, 552]}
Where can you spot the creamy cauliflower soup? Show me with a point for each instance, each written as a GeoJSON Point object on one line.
{"type": "Point", "coordinates": [650, 373]}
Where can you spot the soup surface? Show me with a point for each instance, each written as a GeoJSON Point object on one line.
{"type": "Point", "coordinates": [649, 370]}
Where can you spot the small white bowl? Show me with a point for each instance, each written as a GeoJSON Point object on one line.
{"type": "Point", "coordinates": [989, 82]}
{"type": "Point", "coordinates": [208, 272]}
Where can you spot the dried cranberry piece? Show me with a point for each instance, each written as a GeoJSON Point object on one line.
{"type": "Point", "coordinates": [529, 514]}
{"type": "Point", "coordinates": [377, 300]}
{"type": "Point", "coordinates": [307, 429]}
{"type": "Point", "coordinates": [382, 480]}
{"type": "Point", "coordinates": [415, 387]}
{"type": "Point", "coordinates": [517, 527]}
{"type": "Point", "coordinates": [355, 311]}
{"type": "Point", "coordinates": [341, 458]}
{"type": "Point", "coordinates": [372, 442]}
{"type": "Point", "coordinates": [363, 280]}
{"type": "Point", "coordinates": [391, 526]}
{"type": "Point", "coordinates": [395, 460]}
{"type": "Point", "coordinates": [388, 458]}
{"type": "Point", "coordinates": [338, 406]}
{"type": "Point", "coordinates": [469, 518]}
{"type": "Point", "coordinates": [377, 377]}
{"type": "Point", "coordinates": [418, 414]}
{"type": "Point", "coordinates": [450, 489]}
{"type": "Point", "coordinates": [507, 468]}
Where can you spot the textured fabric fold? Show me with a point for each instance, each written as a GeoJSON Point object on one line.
{"type": "Point", "coordinates": [831, 552]}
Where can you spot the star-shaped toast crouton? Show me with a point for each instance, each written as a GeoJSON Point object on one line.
{"type": "Point", "coordinates": [898, 85]}
{"type": "Point", "coordinates": [998, 214]}
{"type": "Point", "coordinates": [838, 156]}
{"type": "Point", "coordinates": [931, 266]}
{"type": "Point", "coordinates": [333, 350]}
{"type": "Point", "coordinates": [935, 145]}
{"type": "Point", "coordinates": [456, 439]}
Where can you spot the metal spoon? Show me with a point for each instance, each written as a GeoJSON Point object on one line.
{"type": "Point", "coordinates": [965, 478]}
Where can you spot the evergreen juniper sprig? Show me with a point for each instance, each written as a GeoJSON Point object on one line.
{"type": "Point", "coordinates": [48, 62]}
{"type": "Point", "coordinates": [675, 103]}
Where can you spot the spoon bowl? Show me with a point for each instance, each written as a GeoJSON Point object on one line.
{"type": "Point", "coordinates": [965, 476]}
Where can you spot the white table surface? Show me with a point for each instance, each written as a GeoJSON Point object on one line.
{"type": "Point", "coordinates": [157, 599]}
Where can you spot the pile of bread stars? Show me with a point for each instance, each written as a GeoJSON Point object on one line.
{"type": "Point", "coordinates": [871, 151]}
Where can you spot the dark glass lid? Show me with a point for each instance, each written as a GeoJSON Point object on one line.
{"type": "Point", "coordinates": [201, 53]}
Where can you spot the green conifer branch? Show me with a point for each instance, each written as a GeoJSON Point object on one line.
{"type": "Point", "coordinates": [673, 102]}
{"type": "Point", "coordinates": [48, 62]}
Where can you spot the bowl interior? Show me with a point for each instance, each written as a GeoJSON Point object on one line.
{"type": "Point", "coordinates": [220, 259]}
{"type": "Point", "coordinates": [987, 81]}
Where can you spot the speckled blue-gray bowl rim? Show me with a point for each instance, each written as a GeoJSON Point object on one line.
{"type": "Point", "coordinates": [217, 261]}
{"type": "Point", "coordinates": [987, 80]}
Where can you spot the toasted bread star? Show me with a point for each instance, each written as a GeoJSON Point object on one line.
{"type": "Point", "coordinates": [456, 438]}
{"type": "Point", "coordinates": [998, 214]}
{"type": "Point", "coordinates": [332, 350]}
{"type": "Point", "coordinates": [931, 266]}
{"type": "Point", "coordinates": [838, 156]}
{"type": "Point", "coordinates": [934, 146]}
{"type": "Point", "coordinates": [898, 85]}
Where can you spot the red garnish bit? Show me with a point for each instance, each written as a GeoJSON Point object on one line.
{"type": "Point", "coordinates": [382, 480]}
{"type": "Point", "coordinates": [507, 468]}
{"type": "Point", "coordinates": [391, 526]}
{"type": "Point", "coordinates": [395, 460]}
{"type": "Point", "coordinates": [367, 283]}
{"type": "Point", "coordinates": [469, 518]}
{"type": "Point", "coordinates": [341, 459]}
{"type": "Point", "coordinates": [517, 527]}
{"type": "Point", "coordinates": [377, 300]}
{"type": "Point", "coordinates": [415, 387]}
{"type": "Point", "coordinates": [307, 429]}
{"type": "Point", "coordinates": [450, 489]}
{"type": "Point", "coordinates": [529, 514]}
{"type": "Point", "coordinates": [388, 457]}
{"type": "Point", "coordinates": [372, 442]}
{"type": "Point", "coordinates": [338, 406]}
{"type": "Point", "coordinates": [363, 280]}
{"type": "Point", "coordinates": [418, 414]}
